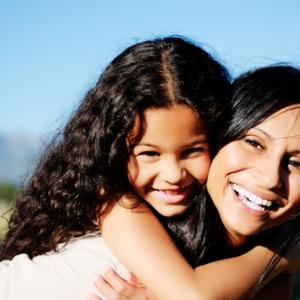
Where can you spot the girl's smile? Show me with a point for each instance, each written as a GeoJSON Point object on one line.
{"type": "Point", "coordinates": [254, 181]}
{"type": "Point", "coordinates": [170, 159]}
{"type": "Point", "coordinates": [172, 196]}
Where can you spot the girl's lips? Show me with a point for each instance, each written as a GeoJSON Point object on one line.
{"type": "Point", "coordinates": [170, 196]}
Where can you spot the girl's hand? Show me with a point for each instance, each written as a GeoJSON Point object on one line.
{"type": "Point", "coordinates": [113, 287]}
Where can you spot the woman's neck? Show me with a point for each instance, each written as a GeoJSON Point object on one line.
{"type": "Point", "coordinates": [235, 240]}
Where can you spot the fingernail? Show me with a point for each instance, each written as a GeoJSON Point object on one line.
{"type": "Point", "coordinates": [108, 271]}
{"type": "Point", "coordinates": [95, 278]}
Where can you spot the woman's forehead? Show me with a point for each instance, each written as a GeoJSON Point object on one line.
{"type": "Point", "coordinates": [283, 124]}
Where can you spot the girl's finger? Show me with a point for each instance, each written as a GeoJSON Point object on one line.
{"type": "Point", "coordinates": [93, 297]}
{"type": "Point", "coordinates": [107, 290]}
{"type": "Point", "coordinates": [119, 284]}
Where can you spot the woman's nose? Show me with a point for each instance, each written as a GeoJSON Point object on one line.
{"type": "Point", "coordinates": [269, 173]}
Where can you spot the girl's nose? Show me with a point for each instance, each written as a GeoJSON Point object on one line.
{"type": "Point", "coordinates": [172, 172]}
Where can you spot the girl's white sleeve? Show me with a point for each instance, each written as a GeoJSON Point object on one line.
{"type": "Point", "coordinates": [66, 274]}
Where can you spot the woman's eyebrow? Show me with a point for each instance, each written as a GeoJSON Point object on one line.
{"type": "Point", "coordinates": [270, 137]}
{"type": "Point", "coordinates": [296, 152]}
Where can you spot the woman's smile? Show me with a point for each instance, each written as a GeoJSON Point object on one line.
{"type": "Point", "coordinates": [252, 200]}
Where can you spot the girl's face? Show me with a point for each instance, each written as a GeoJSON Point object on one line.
{"type": "Point", "coordinates": [171, 158]}
{"type": "Point", "coordinates": [255, 181]}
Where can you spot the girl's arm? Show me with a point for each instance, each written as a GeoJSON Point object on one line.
{"type": "Point", "coordinates": [141, 243]}
{"type": "Point", "coordinates": [114, 287]}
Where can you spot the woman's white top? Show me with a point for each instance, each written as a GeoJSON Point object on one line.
{"type": "Point", "coordinates": [64, 275]}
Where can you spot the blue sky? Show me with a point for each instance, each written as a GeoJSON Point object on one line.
{"type": "Point", "coordinates": [53, 51]}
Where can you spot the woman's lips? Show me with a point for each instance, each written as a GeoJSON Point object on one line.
{"type": "Point", "coordinates": [251, 201]}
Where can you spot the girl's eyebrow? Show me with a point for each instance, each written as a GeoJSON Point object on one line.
{"type": "Point", "coordinates": [196, 142]}
{"type": "Point", "coordinates": [146, 144]}
{"type": "Point", "coordinates": [200, 141]}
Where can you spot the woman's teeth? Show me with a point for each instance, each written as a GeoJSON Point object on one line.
{"type": "Point", "coordinates": [252, 201]}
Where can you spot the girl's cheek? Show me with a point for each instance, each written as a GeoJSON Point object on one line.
{"type": "Point", "coordinates": [132, 169]}
{"type": "Point", "coordinates": [201, 169]}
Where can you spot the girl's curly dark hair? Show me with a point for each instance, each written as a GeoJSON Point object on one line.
{"type": "Point", "coordinates": [63, 197]}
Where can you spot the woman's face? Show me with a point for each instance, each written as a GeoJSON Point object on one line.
{"type": "Point", "coordinates": [254, 181]}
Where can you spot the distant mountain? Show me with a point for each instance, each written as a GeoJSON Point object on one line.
{"type": "Point", "coordinates": [18, 155]}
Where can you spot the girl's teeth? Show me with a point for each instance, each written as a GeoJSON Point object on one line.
{"type": "Point", "coordinates": [170, 192]}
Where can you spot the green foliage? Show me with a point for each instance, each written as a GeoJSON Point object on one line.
{"type": "Point", "coordinates": [8, 191]}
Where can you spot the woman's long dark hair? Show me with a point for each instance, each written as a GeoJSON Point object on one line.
{"type": "Point", "coordinates": [63, 197]}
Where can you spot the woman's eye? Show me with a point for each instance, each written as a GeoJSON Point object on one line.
{"type": "Point", "coordinates": [254, 143]}
{"type": "Point", "coordinates": [294, 163]}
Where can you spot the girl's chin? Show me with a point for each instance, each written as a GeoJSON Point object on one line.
{"type": "Point", "coordinates": [172, 212]}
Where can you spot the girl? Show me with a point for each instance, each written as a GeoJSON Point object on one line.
{"type": "Point", "coordinates": [94, 166]}
{"type": "Point", "coordinates": [253, 183]}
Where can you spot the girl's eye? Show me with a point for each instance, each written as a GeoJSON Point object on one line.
{"type": "Point", "coordinates": [149, 153]}
{"type": "Point", "coordinates": [192, 151]}
{"type": "Point", "coordinates": [254, 143]}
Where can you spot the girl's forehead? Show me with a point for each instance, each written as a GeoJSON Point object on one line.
{"type": "Point", "coordinates": [168, 123]}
